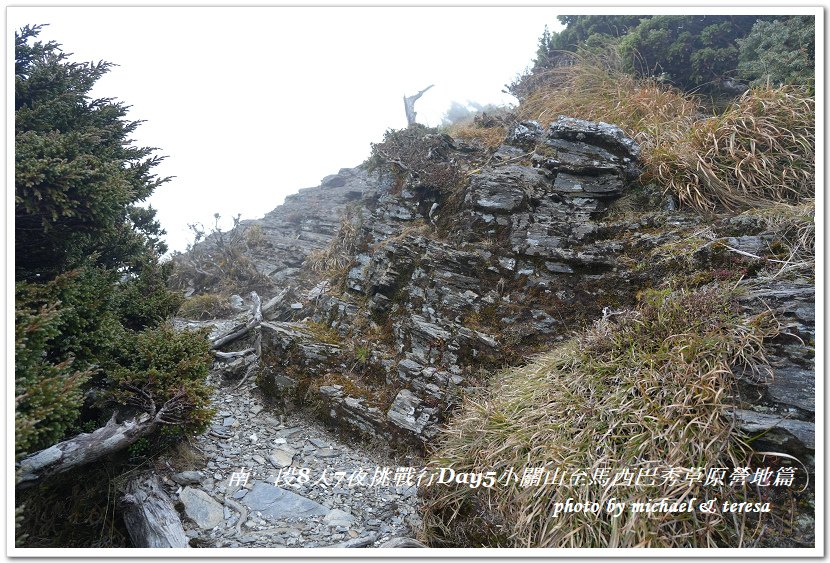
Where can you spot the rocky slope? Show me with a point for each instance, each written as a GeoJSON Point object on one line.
{"type": "Point", "coordinates": [285, 481]}
{"type": "Point", "coordinates": [391, 296]}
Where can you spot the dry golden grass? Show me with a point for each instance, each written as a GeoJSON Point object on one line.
{"type": "Point", "coordinates": [340, 252]}
{"type": "Point", "coordinates": [794, 230]}
{"type": "Point", "coordinates": [487, 137]}
{"type": "Point", "coordinates": [758, 152]}
{"type": "Point", "coordinates": [643, 389]}
{"type": "Point", "coordinates": [206, 306]}
{"type": "Point", "coordinates": [596, 87]}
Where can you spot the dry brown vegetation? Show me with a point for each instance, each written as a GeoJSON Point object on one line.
{"type": "Point", "coordinates": [339, 254]}
{"type": "Point", "coordinates": [206, 306]}
{"type": "Point", "coordinates": [486, 129]}
{"type": "Point", "coordinates": [221, 261]}
{"type": "Point", "coordinates": [757, 152]}
{"type": "Point", "coordinates": [647, 388]}
{"type": "Point", "coordinates": [487, 137]}
{"type": "Point", "coordinates": [595, 86]}
{"type": "Point", "coordinates": [794, 230]}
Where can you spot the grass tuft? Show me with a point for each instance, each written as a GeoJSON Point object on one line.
{"type": "Point", "coordinates": [594, 85]}
{"type": "Point", "coordinates": [206, 306]}
{"type": "Point", "coordinates": [647, 388]}
{"type": "Point", "coordinates": [486, 129]}
{"type": "Point", "coordinates": [760, 151]}
{"type": "Point", "coordinates": [337, 257]}
{"type": "Point", "coordinates": [793, 229]}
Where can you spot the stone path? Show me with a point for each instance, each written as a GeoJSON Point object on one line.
{"type": "Point", "coordinates": [233, 500]}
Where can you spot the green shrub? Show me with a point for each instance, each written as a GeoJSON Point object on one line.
{"type": "Point", "coordinates": [692, 52]}
{"type": "Point", "coordinates": [143, 299]}
{"type": "Point", "coordinates": [48, 392]}
{"type": "Point", "coordinates": [86, 246]}
{"type": "Point", "coordinates": [779, 52]}
{"type": "Point", "coordinates": [162, 366]}
{"type": "Point", "coordinates": [648, 387]}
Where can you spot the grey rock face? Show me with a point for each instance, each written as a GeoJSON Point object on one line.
{"type": "Point", "coordinates": [525, 134]}
{"type": "Point", "coordinates": [783, 404]}
{"type": "Point", "coordinates": [778, 430]}
{"type": "Point", "coordinates": [338, 517]}
{"type": "Point", "coordinates": [188, 478]}
{"type": "Point", "coordinates": [201, 508]}
{"type": "Point", "coordinates": [306, 222]}
{"type": "Point", "coordinates": [408, 412]}
{"type": "Point", "coordinates": [446, 283]}
{"type": "Point", "coordinates": [540, 200]}
{"type": "Point", "coordinates": [595, 132]}
{"type": "Point", "coordinates": [505, 189]}
{"type": "Point", "coordinates": [794, 386]}
{"type": "Point", "coordinates": [530, 254]}
{"type": "Point", "coordinates": [275, 502]}
{"type": "Point", "coordinates": [353, 412]}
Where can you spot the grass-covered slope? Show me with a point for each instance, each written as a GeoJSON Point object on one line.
{"type": "Point", "coordinates": [757, 151]}
{"type": "Point", "coordinates": [644, 390]}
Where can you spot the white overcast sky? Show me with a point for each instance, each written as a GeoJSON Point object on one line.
{"type": "Point", "coordinates": [252, 104]}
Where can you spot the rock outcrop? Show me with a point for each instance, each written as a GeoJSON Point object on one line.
{"type": "Point", "coordinates": [541, 237]}
{"type": "Point", "coordinates": [398, 287]}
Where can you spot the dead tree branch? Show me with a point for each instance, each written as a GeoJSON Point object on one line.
{"type": "Point", "coordinates": [239, 331]}
{"type": "Point", "coordinates": [409, 105]}
{"type": "Point", "coordinates": [149, 515]}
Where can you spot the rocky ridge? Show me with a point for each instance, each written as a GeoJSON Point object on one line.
{"type": "Point", "coordinates": [544, 236]}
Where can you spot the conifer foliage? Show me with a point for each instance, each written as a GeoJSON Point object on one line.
{"type": "Point", "coordinates": [88, 281]}
{"type": "Point", "coordinates": [700, 53]}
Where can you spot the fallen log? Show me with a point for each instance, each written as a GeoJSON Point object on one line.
{"type": "Point", "coordinates": [149, 515]}
{"type": "Point", "coordinates": [89, 447]}
{"type": "Point", "coordinates": [365, 541]}
{"type": "Point", "coordinates": [232, 355]}
{"type": "Point", "coordinates": [256, 309]}
{"type": "Point", "coordinates": [83, 448]}
{"type": "Point", "coordinates": [253, 366]}
{"type": "Point", "coordinates": [240, 331]}
{"type": "Point", "coordinates": [236, 332]}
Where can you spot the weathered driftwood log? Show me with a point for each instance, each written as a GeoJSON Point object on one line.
{"type": "Point", "coordinates": [409, 105]}
{"type": "Point", "coordinates": [253, 366]}
{"type": "Point", "coordinates": [256, 309]}
{"type": "Point", "coordinates": [86, 448]}
{"type": "Point", "coordinates": [149, 515]}
{"type": "Point", "coordinates": [358, 542]}
{"type": "Point", "coordinates": [238, 332]}
{"type": "Point", "coordinates": [241, 330]}
{"type": "Point", "coordinates": [232, 355]}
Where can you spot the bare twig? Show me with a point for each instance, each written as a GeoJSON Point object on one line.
{"type": "Point", "coordinates": [409, 105]}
